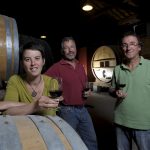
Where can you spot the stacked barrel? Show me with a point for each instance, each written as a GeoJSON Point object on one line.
{"type": "Point", "coordinates": [9, 47]}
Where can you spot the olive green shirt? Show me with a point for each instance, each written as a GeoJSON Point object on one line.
{"type": "Point", "coordinates": [134, 110]}
{"type": "Point", "coordinates": [17, 91]}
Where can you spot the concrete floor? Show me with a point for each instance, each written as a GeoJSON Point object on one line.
{"type": "Point", "coordinates": [101, 107]}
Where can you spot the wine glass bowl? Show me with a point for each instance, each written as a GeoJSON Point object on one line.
{"type": "Point", "coordinates": [55, 87]}
{"type": "Point", "coordinates": [55, 94]}
{"type": "Point", "coordinates": [86, 90]}
{"type": "Point", "coordinates": [87, 86]}
{"type": "Point", "coordinates": [122, 85]}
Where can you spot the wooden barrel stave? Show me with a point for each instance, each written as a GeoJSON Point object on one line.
{"type": "Point", "coordinates": [29, 139]}
{"type": "Point", "coordinates": [48, 133]}
{"type": "Point", "coordinates": [75, 140]}
{"type": "Point", "coordinates": [9, 136]}
{"type": "Point", "coordinates": [38, 132]}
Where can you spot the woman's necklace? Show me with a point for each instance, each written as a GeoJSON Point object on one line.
{"type": "Point", "coordinates": [34, 93]}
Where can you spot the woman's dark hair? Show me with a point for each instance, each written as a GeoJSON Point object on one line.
{"type": "Point", "coordinates": [34, 46]}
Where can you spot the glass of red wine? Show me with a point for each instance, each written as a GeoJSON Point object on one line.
{"type": "Point", "coordinates": [55, 87]}
{"type": "Point", "coordinates": [87, 86]}
{"type": "Point", "coordinates": [121, 86]}
{"type": "Point", "coordinates": [86, 90]}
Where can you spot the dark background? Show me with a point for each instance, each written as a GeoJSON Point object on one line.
{"type": "Point", "coordinates": [104, 25]}
{"type": "Point", "coordinates": [59, 18]}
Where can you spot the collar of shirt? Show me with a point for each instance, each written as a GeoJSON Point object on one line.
{"type": "Point", "coordinates": [123, 66]}
{"type": "Point", "coordinates": [64, 62]}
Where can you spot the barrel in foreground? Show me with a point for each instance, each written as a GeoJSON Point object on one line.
{"type": "Point", "coordinates": [34, 132]}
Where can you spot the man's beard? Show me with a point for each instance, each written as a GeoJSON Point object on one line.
{"type": "Point", "coordinates": [69, 58]}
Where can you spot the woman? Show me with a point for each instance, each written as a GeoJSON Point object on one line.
{"type": "Point", "coordinates": [32, 88]}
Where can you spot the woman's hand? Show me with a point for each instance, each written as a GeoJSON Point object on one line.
{"type": "Point", "coordinates": [47, 102]}
{"type": "Point", "coordinates": [61, 98]}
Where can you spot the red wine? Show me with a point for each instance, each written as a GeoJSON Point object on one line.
{"type": "Point", "coordinates": [86, 89]}
{"type": "Point", "coordinates": [56, 93]}
{"type": "Point", "coordinates": [122, 85]}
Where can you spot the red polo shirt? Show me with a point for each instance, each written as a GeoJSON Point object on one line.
{"type": "Point", "coordinates": [73, 81]}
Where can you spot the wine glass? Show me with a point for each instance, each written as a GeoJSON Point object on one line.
{"type": "Point", "coordinates": [86, 90]}
{"type": "Point", "coordinates": [55, 87]}
{"type": "Point", "coordinates": [121, 86]}
{"type": "Point", "coordinates": [87, 86]}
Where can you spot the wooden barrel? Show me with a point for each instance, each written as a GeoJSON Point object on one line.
{"type": "Point", "coordinates": [9, 47]}
{"type": "Point", "coordinates": [103, 62]}
{"type": "Point", "coordinates": [33, 132]}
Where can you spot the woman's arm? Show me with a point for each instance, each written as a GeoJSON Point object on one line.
{"type": "Point", "coordinates": [43, 103]}
{"type": "Point", "coordinates": [25, 109]}
{"type": "Point", "coordinates": [7, 104]}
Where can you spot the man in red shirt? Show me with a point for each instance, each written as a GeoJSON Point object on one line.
{"type": "Point", "coordinates": [74, 80]}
